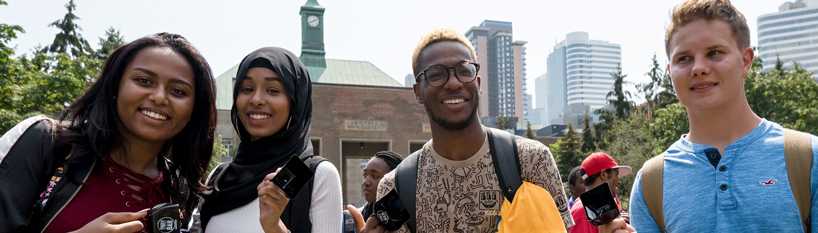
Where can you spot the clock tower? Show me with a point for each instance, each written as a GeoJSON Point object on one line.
{"type": "Point", "coordinates": [312, 34]}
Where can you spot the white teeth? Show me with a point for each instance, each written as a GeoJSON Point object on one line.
{"type": "Point", "coordinates": [154, 115]}
{"type": "Point", "coordinates": [259, 116]}
{"type": "Point", "coordinates": [702, 87]}
{"type": "Point", "coordinates": [453, 101]}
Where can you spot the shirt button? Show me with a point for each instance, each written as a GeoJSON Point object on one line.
{"type": "Point", "coordinates": [722, 169]}
{"type": "Point", "coordinates": [723, 187]}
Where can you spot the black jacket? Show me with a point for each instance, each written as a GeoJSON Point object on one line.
{"type": "Point", "coordinates": [27, 162]}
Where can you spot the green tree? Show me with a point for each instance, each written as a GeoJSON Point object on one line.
{"type": "Point", "coordinates": [528, 132]}
{"type": "Point", "coordinates": [631, 145]}
{"type": "Point", "coordinates": [658, 92]}
{"type": "Point", "coordinates": [601, 129]}
{"type": "Point", "coordinates": [568, 152]}
{"type": "Point", "coordinates": [790, 99]}
{"type": "Point", "coordinates": [668, 126]}
{"type": "Point", "coordinates": [69, 39]}
{"type": "Point", "coordinates": [501, 122]}
{"type": "Point", "coordinates": [42, 84]}
{"type": "Point", "coordinates": [757, 62]}
{"type": "Point", "coordinates": [651, 88]}
{"type": "Point", "coordinates": [7, 33]}
{"type": "Point", "coordinates": [112, 40]}
{"type": "Point", "coordinates": [219, 152]}
{"type": "Point", "coordinates": [620, 101]}
{"type": "Point", "coordinates": [30, 90]}
{"type": "Point", "coordinates": [588, 141]}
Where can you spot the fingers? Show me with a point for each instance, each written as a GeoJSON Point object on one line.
{"type": "Point", "coordinates": [132, 226]}
{"type": "Point", "coordinates": [617, 226]}
{"type": "Point", "coordinates": [267, 178]}
{"type": "Point", "coordinates": [357, 216]}
{"type": "Point", "coordinates": [123, 217]}
{"type": "Point", "coordinates": [271, 190]}
{"type": "Point", "coordinates": [372, 226]}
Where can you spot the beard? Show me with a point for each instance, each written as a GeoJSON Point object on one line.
{"type": "Point", "coordinates": [443, 123]}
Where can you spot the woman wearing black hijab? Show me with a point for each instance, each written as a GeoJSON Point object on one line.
{"type": "Point", "coordinates": [271, 113]}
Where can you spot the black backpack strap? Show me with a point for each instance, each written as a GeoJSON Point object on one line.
{"type": "Point", "coordinates": [503, 149]}
{"type": "Point", "coordinates": [406, 177]}
{"type": "Point", "coordinates": [312, 161]}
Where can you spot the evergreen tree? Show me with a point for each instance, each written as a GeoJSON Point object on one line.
{"type": "Point", "coordinates": [112, 40]}
{"type": "Point", "coordinates": [620, 101]}
{"type": "Point", "coordinates": [650, 89]}
{"type": "Point", "coordinates": [69, 38]}
{"type": "Point", "coordinates": [7, 33]}
{"type": "Point", "coordinates": [569, 152]}
{"type": "Point", "coordinates": [779, 66]}
{"type": "Point", "coordinates": [588, 142]}
{"type": "Point", "coordinates": [501, 122]}
{"type": "Point", "coordinates": [528, 132]}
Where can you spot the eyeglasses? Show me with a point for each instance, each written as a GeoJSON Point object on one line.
{"type": "Point", "coordinates": [438, 75]}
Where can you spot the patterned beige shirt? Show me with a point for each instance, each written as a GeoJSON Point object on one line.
{"type": "Point", "coordinates": [465, 197]}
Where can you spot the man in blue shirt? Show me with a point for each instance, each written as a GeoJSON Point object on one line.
{"type": "Point", "coordinates": [728, 174]}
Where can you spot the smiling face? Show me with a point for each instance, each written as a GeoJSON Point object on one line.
{"type": "Point", "coordinates": [156, 95]}
{"type": "Point", "coordinates": [454, 105]}
{"type": "Point", "coordinates": [613, 181]}
{"type": "Point", "coordinates": [374, 171]}
{"type": "Point", "coordinates": [263, 104]}
{"type": "Point", "coordinates": [707, 66]}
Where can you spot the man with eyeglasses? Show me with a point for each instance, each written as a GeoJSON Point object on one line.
{"type": "Point", "coordinates": [457, 187]}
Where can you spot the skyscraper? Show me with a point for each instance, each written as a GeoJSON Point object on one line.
{"type": "Point", "coordinates": [541, 93]}
{"type": "Point", "coordinates": [409, 80]}
{"type": "Point", "coordinates": [579, 73]}
{"type": "Point", "coordinates": [502, 63]}
{"type": "Point", "coordinates": [791, 34]}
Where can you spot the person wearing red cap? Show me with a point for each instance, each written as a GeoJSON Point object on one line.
{"type": "Point", "coordinates": [596, 169]}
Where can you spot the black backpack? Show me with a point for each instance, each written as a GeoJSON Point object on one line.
{"type": "Point", "coordinates": [503, 149]}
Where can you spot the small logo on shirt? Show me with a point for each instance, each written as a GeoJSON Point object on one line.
{"type": "Point", "coordinates": [769, 182]}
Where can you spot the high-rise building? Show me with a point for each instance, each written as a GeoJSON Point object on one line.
{"type": "Point", "coordinates": [502, 61]}
{"type": "Point", "coordinates": [579, 73]}
{"type": "Point", "coordinates": [409, 80]}
{"type": "Point", "coordinates": [541, 93]}
{"type": "Point", "coordinates": [527, 106]}
{"type": "Point", "coordinates": [791, 34]}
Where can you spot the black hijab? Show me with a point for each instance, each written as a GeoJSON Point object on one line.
{"type": "Point", "coordinates": [236, 186]}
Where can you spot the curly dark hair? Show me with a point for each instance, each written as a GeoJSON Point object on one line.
{"type": "Point", "coordinates": [92, 122]}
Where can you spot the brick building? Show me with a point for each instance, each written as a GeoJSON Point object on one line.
{"type": "Point", "coordinates": [357, 108]}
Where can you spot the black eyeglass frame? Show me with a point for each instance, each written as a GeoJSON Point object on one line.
{"type": "Point", "coordinates": [476, 70]}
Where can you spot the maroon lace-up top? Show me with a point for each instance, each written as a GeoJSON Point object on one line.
{"type": "Point", "coordinates": [109, 188]}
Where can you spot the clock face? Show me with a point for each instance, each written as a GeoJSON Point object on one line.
{"type": "Point", "coordinates": [312, 21]}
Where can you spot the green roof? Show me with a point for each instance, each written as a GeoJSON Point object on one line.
{"type": "Point", "coordinates": [351, 72]}
{"type": "Point", "coordinates": [336, 72]}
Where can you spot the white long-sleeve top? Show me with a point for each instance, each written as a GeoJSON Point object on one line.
{"type": "Point", "coordinates": [326, 207]}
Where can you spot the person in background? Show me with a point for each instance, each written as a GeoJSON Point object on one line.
{"type": "Point", "coordinates": [597, 169]}
{"type": "Point", "coordinates": [383, 162]}
{"type": "Point", "coordinates": [575, 185]}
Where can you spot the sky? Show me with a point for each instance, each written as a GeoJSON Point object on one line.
{"type": "Point", "coordinates": [382, 32]}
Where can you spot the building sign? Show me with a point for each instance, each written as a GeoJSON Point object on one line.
{"type": "Point", "coordinates": [427, 128]}
{"type": "Point", "coordinates": [360, 125]}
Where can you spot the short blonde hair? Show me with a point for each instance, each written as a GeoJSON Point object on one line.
{"type": "Point", "coordinates": [438, 35]}
{"type": "Point", "coordinates": [709, 10]}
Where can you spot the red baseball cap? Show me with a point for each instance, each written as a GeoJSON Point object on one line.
{"type": "Point", "coordinates": [599, 161]}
